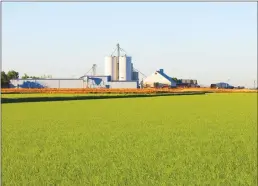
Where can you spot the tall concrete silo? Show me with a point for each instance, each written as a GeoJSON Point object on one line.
{"type": "Point", "coordinates": [125, 68]}
{"type": "Point", "coordinates": [109, 66]}
{"type": "Point", "coordinates": [119, 67]}
{"type": "Point", "coordinates": [115, 73]}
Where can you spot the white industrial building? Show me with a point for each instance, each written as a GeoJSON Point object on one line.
{"type": "Point", "coordinates": [85, 82]}
{"type": "Point", "coordinates": [160, 79]}
{"type": "Point", "coordinates": [106, 82]}
{"type": "Point", "coordinates": [48, 83]}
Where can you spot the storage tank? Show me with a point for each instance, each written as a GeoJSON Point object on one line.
{"type": "Point", "coordinates": [109, 66]}
{"type": "Point", "coordinates": [115, 69]}
{"type": "Point", "coordinates": [125, 68]}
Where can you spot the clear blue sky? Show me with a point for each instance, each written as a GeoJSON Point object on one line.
{"type": "Point", "coordinates": [210, 42]}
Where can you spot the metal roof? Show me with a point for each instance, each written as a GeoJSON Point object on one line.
{"type": "Point", "coordinates": [95, 76]}
{"type": "Point", "coordinates": [50, 79]}
{"type": "Point", "coordinates": [161, 72]}
{"type": "Point", "coordinates": [123, 81]}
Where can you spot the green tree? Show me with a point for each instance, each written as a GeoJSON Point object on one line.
{"type": "Point", "coordinates": [13, 75]}
{"type": "Point", "coordinates": [4, 79]}
{"type": "Point", "coordinates": [175, 79]}
{"type": "Point", "coordinates": [25, 76]}
{"type": "Point", "coordinates": [34, 77]}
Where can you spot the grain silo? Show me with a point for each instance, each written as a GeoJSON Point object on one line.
{"type": "Point", "coordinates": [108, 66]}
{"type": "Point", "coordinates": [115, 68]}
{"type": "Point", "coordinates": [120, 68]}
{"type": "Point", "coordinates": [111, 67]}
{"type": "Point", "coordinates": [125, 68]}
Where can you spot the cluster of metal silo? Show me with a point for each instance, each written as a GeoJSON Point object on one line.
{"type": "Point", "coordinates": [119, 68]}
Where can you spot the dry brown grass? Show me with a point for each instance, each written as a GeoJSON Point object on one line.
{"type": "Point", "coordinates": [218, 90]}
{"type": "Point", "coordinates": [122, 91]}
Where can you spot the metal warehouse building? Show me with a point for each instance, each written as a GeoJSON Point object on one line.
{"type": "Point", "coordinates": [47, 83]}
{"type": "Point", "coordinates": [160, 78]}
{"type": "Point", "coordinates": [105, 82]}
{"type": "Point", "coordinates": [85, 82]}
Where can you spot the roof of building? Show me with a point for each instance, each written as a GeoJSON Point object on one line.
{"type": "Point", "coordinates": [161, 72]}
{"type": "Point", "coordinates": [47, 79]}
{"type": "Point", "coordinates": [95, 76]}
{"type": "Point", "coordinates": [122, 81]}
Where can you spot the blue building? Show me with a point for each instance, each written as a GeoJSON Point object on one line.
{"type": "Point", "coordinates": [224, 85]}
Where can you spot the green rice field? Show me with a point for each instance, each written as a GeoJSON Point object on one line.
{"type": "Point", "coordinates": [206, 139]}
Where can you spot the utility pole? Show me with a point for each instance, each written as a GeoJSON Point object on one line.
{"type": "Point", "coordinates": [254, 85]}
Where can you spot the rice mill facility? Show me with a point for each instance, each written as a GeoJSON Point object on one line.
{"type": "Point", "coordinates": [119, 73]}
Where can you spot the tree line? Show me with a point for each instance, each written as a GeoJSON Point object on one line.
{"type": "Point", "coordinates": [12, 74]}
